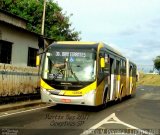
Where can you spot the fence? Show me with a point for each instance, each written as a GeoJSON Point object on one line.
{"type": "Point", "coordinates": [18, 80]}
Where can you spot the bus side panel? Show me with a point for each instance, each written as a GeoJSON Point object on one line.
{"type": "Point", "coordinates": [133, 81]}
{"type": "Point", "coordinates": [113, 88]}
{"type": "Point", "coordinates": [118, 86]}
{"type": "Point", "coordinates": [123, 86]}
{"type": "Point", "coordinates": [134, 85]}
{"type": "Point", "coordinates": [128, 75]}
{"type": "Point", "coordinates": [99, 93]}
{"type": "Point", "coordinates": [123, 79]}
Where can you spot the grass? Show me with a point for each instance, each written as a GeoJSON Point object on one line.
{"type": "Point", "coordinates": [149, 79]}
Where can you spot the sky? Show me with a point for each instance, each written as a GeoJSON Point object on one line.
{"type": "Point", "coordinates": [130, 26]}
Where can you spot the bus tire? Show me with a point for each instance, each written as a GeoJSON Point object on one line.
{"type": "Point", "coordinates": [105, 99]}
{"type": "Point", "coordinates": [132, 95]}
{"type": "Point", "coordinates": [121, 93]}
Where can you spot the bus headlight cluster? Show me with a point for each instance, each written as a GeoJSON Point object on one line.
{"type": "Point", "coordinates": [45, 91]}
{"type": "Point", "coordinates": [90, 98]}
{"type": "Point", "coordinates": [92, 92]}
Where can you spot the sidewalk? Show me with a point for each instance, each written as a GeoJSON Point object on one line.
{"type": "Point", "coordinates": [19, 104]}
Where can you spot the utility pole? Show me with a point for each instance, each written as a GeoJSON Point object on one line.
{"type": "Point", "coordinates": [43, 17]}
{"type": "Point", "coordinates": [41, 43]}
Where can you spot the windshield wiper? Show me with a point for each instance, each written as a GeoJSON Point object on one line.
{"type": "Point", "coordinates": [73, 73]}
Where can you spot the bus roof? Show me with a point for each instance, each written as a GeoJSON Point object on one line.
{"type": "Point", "coordinates": [113, 50]}
{"type": "Point", "coordinates": [109, 48]}
{"type": "Point", "coordinates": [76, 42]}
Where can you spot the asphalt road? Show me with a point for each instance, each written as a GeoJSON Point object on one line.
{"type": "Point", "coordinates": [138, 115]}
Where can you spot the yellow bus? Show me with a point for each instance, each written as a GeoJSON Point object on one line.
{"type": "Point", "coordinates": [85, 73]}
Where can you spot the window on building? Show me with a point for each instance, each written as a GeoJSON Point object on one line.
{"type": "Point", "coordinates": [5, 51]}
{"type": "Point", "coordinates": [32, 52]}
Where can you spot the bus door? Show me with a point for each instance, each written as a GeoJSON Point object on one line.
{"type": "Point", "coordinates": [107, 76]}
{"type": "Point", "coordinates": [102, 77]}
{"type": "Point", "coordinates": [123, 90]}
{"type": "Point", "coordinates": [106, 70]}
{"type": "Point", "coordinates": [112, 78]}
{"type": "Point", "coordinates": [118, 78]}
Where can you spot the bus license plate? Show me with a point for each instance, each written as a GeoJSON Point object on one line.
{"type": "Point", "coordinates": [66, 100]}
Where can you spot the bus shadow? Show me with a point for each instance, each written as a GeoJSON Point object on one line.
{"type": "Point", "coordinates": [66, 107]}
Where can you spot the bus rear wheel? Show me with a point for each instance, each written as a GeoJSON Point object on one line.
{"type": "Point", "coordinates": [105, 100]}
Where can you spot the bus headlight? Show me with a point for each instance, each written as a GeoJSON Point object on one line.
{"type": "Point", "coordinates": [45, 91]}
{"type": "Point", "coordinates": [92, 92]}
{"type": "Point", "coordinates": [90, 98]}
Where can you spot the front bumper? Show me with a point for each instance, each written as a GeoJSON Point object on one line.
{"type": "Point", "coordinates": [87, 99]}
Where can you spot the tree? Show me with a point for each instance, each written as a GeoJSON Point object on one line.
{"type": "Point", "coordinates": [57, 25]}
{"type": "Point", "coordinates": [157, 63]}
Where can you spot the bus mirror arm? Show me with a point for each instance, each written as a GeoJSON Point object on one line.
{"type": "Point", "coordinates": [38, 57]}
{"type": "Point", "coordinates": [40, 53]}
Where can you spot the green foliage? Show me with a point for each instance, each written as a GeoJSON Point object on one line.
{"type": "Point", "coordinates": [157, 63]}
{"type": "Point", "coordinates": [57, 25]}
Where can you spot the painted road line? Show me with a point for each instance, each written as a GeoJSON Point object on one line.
{"type": "Point", "coordinates": [9, 114]}
{"type": "Point", "coordinates": [113, 119]}
{"type": "Point", "coordinates": [89, 131]}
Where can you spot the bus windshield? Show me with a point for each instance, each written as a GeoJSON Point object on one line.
{"type": "Point", "coordinates": [69, 65]}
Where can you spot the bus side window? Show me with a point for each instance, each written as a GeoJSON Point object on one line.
{"type": "Point", "coordinates": [100, 69]}
{"type": "Point", "coordinates": [131, 70]}
{"type": "Point", "coordinates": [117, 72]}
{"type": "Point", "coordinates": [107, 60]}
{"type": "Point", "coordinates": [112, 66]}
{"type": "Point", "coordinates": [122, 68]}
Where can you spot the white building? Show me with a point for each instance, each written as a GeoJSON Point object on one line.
{"type": "Point", "coordinates": [18, 46]}
{"type": "Point", "coordinates": [18, 49]}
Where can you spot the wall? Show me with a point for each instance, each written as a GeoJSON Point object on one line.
{"type": "Point", "coordinates": [18, 80]}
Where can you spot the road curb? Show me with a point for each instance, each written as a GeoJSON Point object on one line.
{"type": "Point", "coordinates": [19, 105]}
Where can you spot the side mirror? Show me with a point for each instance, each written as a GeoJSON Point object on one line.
{"type": "Point", "coordinates": [37, 60]}
{"type": "Point", "coordinates": [102, 62]}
